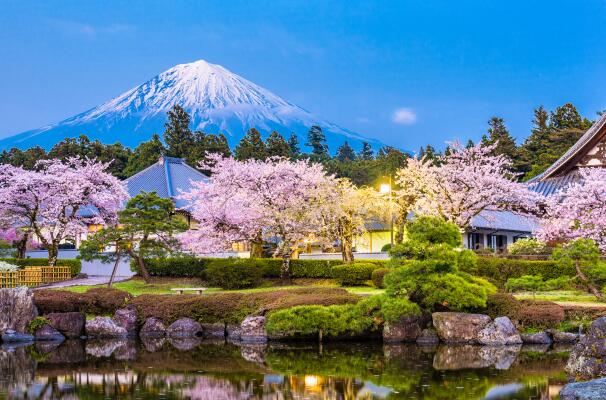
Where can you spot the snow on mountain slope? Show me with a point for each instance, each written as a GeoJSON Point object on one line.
{"type": "Point", "coordinates": [217, 100]}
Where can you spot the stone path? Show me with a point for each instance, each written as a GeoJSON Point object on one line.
{"type": "Point", "coordinates": [89, 281]}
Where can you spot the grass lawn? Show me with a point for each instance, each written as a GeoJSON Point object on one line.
{"type": "Point", "coordinates": [137, 286]}
{"type": "Point", "coordinates": [562, 296]}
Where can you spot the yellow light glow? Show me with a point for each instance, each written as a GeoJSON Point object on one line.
{"type": "Point", "coordinates": [385, 188]}
{"type": "Point", "coordinates": [311, 380]}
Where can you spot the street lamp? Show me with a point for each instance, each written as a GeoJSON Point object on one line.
{"type": "Point", "coordinates": [385, 188]}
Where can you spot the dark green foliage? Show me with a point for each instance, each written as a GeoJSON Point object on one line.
{"type": "Point", "coordinates": [234, 273]}
{"type": "Point", "coordinates": [378, 275]}
{"type": "Point", "coordinates": [345, 153]}
{"type": "Point", "coordinates": [23, 158]}
{"type": "Point", "coordinates": [36, 324]}
{"type": "Point", "coordinates": [317, 141]}
{"type": "Point", "coordinates": [233, 307]}
{"type": "Point", "coordinates": [433, 230]}
{"type": "Point", "coordinates": [178, 136]}
{"type": "Point", "coordinates": [277, 146]}
{"type": "Point", "coordinates": [74, 264]}
{"type": "Point", "coordinates": [505, 143]}
{"type": "Point", "coordinates": [251, 146]}
{"type": "Point", "coordinates": [205, 144]}
{"type": "Point", "coordinates": [355, 274]}
{"type": "Point", "coordinates": [526, 313]}
{"type": "Point", "coordinates": [535, 283]}
{"type": "Point", "coordinates": [293, 144]}
{"type": "Point", "coordinates": [503, 304]}
{"type": "Point", "coordinates": [98, 301]}
{"type": "Point", "coordinates": [499, 270]}
{"type": "Point", "coordinates": [584, 255]}
{"type": "Point", "coordinates": [186, 266]}
{"type": "Point", "coordinates": [386, 247]}
{"type": "Point", "coordinates": [146, 154]}
{"type": "Point", "coordinates": [366, 152]}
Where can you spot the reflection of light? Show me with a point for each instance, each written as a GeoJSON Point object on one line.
{"type": "Point", "coordinates": [311, 380]}
{"type": "Point", "coordinates": [385, 188]}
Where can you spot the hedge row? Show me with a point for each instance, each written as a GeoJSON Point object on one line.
{"type": "Point", "coordinates": [196, 267]}
{"type": "Point", "coordinates": [74, 264]}
{"type": "Point", "coordinates": [498, 270]}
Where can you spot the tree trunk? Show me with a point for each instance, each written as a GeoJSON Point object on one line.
{"type": "Point", "coordinates": [53, 254]}
{"type": "Point", "coordinates": [21, 246]}
{"type": "Point", "coordinates": [286, 266]}
{"type": "Point", "coordinates": [587, 283]}
{"type": "Point", "coordinates": [142, 268]}
{"type": "Point", "coordinates": [113, 275]}
{"type": "Point", "coordinates": [347, 249]}
{"type": "Point", "coordinates": [256, 246]}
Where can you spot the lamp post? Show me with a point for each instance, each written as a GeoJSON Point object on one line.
{"type": "Point", "coordinates": [385, 188]}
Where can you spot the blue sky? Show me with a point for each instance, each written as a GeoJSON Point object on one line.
{"type": "Point", "coordinates": [405, 72]}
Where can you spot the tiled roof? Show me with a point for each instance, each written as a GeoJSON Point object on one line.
{"type": "Point", "coordinates": [169, 177]}
{"type": "Point", "coordinates": [504, 221]}
{"type": "Point", "coordinates": [591, 133]}
{"type": "Point", "coordinates": [549, 186]}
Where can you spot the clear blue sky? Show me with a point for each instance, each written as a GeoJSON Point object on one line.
{"type": "Point", "coordinates": [405, 72]}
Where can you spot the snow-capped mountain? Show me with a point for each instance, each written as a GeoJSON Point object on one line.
{"type": "Point", "coordinates": [217, 100]}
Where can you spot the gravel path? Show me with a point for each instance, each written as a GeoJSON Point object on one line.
{"type": "Point", "coordinates": [89, 281]}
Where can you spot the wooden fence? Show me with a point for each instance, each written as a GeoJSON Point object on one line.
{"type": "Point", "coordinates": [33, 276]}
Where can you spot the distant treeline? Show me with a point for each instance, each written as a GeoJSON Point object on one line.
{"type": "Point", "coordinates": [551, 135]}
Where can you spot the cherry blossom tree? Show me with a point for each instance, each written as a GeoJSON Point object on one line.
{"type": "Point", "coordinates": [578, 211]}
{"type": "Point", "coordinates": [58, 199]}
{"type": "Point", "coordinates": [286, 202]}
{"type": "Point", "coordinates": [464, 183]}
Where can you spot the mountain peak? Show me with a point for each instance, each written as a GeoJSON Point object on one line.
{"type": "Point", "coordinates": [218, 101]}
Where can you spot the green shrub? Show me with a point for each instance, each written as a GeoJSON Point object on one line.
{"type": "Point", "coordinates": [308, 321]}
{"type": "Point", "coordinates": [378, 275]}
{"type": "Point", "coordinates": [503, 304]}
{"type": "Point", "coordinates": [36, 324]}
{"type": "Point", "coordinates": [190, 267]}
{"type": "Point", "coordinates": [353, 274]}
{"type": "Point", "coordinates": [531, 283]}
{"type": "Point", "coordinates": [528, 246]}
{"type": "Point", "coordinates": [386, 247]}
{"type": "Point", "coordinates": [234, 273]}
{"type": "Point", "coordinates": [499, 270]}
{"type": "Point", "coordinates": [433, 230]}
{"type": "Point", "coordinates": [75, 265]}
{"type": "Point", "coordinates": [393, 309]}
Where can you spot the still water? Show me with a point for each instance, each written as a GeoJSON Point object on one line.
{"type": "Point", "coordinates": [194, 369]}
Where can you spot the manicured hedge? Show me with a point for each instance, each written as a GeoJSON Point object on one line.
{"type": "Point", "coordinates": [355, 274]}
{"type": "Point", "coordinates": [98, 301]}
{"type": "Point", "coordinates": [234, 274]}
{"type": "Point", "coordinates": [498, 270]}
{"type": "Point", "coordinates": [74, 264]}
{"type": "Point", "coordinates": [196, 267]}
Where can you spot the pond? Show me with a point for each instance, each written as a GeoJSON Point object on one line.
{"type": "Point", "coordinates": [194, 369]}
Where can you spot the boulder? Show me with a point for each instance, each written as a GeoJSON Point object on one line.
{"type": "Point", "coordinates": [153, 328]}
{"type": "Point", "coordinates": [213, 330]}
{"type": "Point", "coordinates": [591, 390]}
{"type": "Point", "coordinates": [70, 324]}
{"type": "Point", "coordinates": [456, 327]}
{"type": "Point", "coordinates": [456, 357]}
{"type": "Point", "coordinates": [68, 352]}
{"type": "Point", "coordinates": [185, 343]}
{"type": "Point", "coordinates": [252, 330]}
{"type": "Point", "coordinates": [563, 337]}
{"type": "Point", "coordinates": [407, 329]}
{"type": "Point", "coordinates": [234, 332]}
{"type": "Point", "coordinates": [499, 332]}
{"type": "Point", "coordinates": [49, 333]}
{"type": "Point", "coordinates": [184, 328]}
{"type": "Point", "coordinates": [104, 327]}
{"type": "Point", "coordinates": [10, 336]}
{"type": "Point", "coordinates": [127, 319]}
{"type": "Point", "coordinates": [588, 358]}
{"type": "Point", "coordinates": [153, 344]}
{"type": "Point", "coordinates": [535, 338]}
{"type": "Point", "coordinates": [428, 336]}
{"type": "Point", "coordinates": [17, 309]}
{"type": "Point", "coordinates": [103, 348]}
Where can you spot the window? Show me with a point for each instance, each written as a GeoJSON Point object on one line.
{"type": "Point", "coordinates": [497, 242]}
{"type": "Point", "coordinates": [475, 241]}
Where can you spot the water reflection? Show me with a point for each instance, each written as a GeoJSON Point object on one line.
{"type": "Point", "coordinates": [162, 369]}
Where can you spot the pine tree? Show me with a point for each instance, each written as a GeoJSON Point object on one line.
{"type": "Point", "coordinates": [146, 154]}
{"type": "Point", "coordinates": [317, 141]}
{"type": "Point", "coordinates": [498, 133]}
{"type": "Point", "coordinates": [366, 152]}
{"type": "Point", "coordinates": [469, 144]}
{"type": "Point", "coordinates": [293, 143]}
{"type": "Point", "coordinates": [251, 146]}
{"type": "Point", "coordinates": [345, 153]}
{"type": "Point", "coordinates": [566, 117]}
{"type": "Point", "coordinates": [178, 137]}
{"type": "Point", "coordinates": [277, 146]}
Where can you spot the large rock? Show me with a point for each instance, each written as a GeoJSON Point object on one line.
{"type": "Point", "coordinates": [17, 309]}
{"type": "Point", "coordinates": [47, 332]}
{"type": "Point", "coordinates": [455, 327]}
{"type": "Point", "coordinates": [252, 330]}
{"type": "Point", "coordinates": [407, 329]}
{"type": "Point", "coordinates": [234, 333]}
{"type": "Point", "coordinates": [10, 336]}
{"type": "Point", "coordinates": [213, 330]}
{"type": "Point", "coordinates": [456, 357]}
{"type": "Point", "coordinates": [104, 327]}
{"type": "Point", "coordinates": [428, 337]}
{"type": "Point", "coordinates": [153, 328]}
{"type": "Point", "coordinates": [499, 332]}
{"type": "Point", "coordinates": [591, 390]}
{"type": "Point", "coordinates": [127, 319]}
{"type": "Point", "coordinates": [535, 338]}
{"type": "Point", "coordinates": [70, 324]}
{"type": "Point", "coordinates": [588, 358]}
{"type": "Point", "coordinates": [17, 371]}
{"type": "Point", "coordinates": [184, 328]}
{"type": "Point", "coordinates": [563, 337]}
